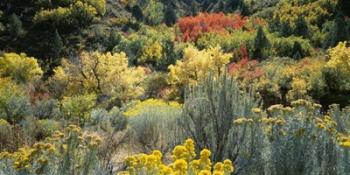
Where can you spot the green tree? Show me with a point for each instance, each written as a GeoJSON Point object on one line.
{"type": "Point", "coordinates": [170, 16]}
{"type": "Point", "coordinates": [301, 27]}
{"type": "Point", "coordinates": [340, 28]}
{"type": "Point", "coordinates": [137, 13]}
{"type": "Point", "coordinates": [56, 47]}
{"type": "Point", "coordinates": [285, 29]}
{"type": "Point", "coordinates": [261, 43]}
{"type": "Point", "coordinates": [154, 12]}
{"type": "Point", "coordinates": [297, 50]}
{"type": "Point", "coordinates": [15, 26]}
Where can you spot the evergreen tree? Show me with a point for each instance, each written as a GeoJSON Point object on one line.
{"type": "Point", "coordinates": [297, 51]}
{"type": "Point", "coordinates": [170, 16]}
{"type": "Point", "coordinates": [301, 27]}
{"type": "Point", "coordinates": [193, 8]}
{"type": "Point", "coordinates": [137, 13]}
{"type": "Point", "coordinates": [285, 29]}
{"type": "Point", "coordinates": [56, 47]}
{"type": "Point", "coordinates": [340, 29]}
{"type": "Point", "coordinates": [344, 6]}
{"type": "Point", "coordinates": [15, 26]}
{"type": "Point", "coordinates": [260, 44]}
{"type": "Point", "coordinates": [113, 40]}
{"type": "Point", "coordinates": [274, 24]}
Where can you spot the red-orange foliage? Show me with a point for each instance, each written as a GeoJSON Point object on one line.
{"type": "Point", "coordinates": [240, 53]}
{"type": "Point", "coordinates": [245, 70]}
{"type": "Point", "coordinates": [192, 27]}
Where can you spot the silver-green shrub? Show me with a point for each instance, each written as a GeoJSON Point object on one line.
{"type": "Point", "coordinates": [47, 109]}
{"type": "Point", "coordinates": [156, 128]}
{"type": "Point", "coordinates": [208, 114]}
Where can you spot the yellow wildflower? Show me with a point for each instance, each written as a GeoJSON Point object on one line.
{"type": "Point", "coordinates": [180, 152]}
{"type": "Point", "coordinates": [123, 173]}
{"type": "Point", "coordinates": [219, 166]}
{"type": "Point", "coordinates": [180, 165]}
{"type": "Point", "coordinates": [204, 172]}
{"type": "Point", "coordinates": [218, 173]}
{"type": "Point", "coordinates": [205, 153]}
{"type": "Point", "coordinates": [256, 110]}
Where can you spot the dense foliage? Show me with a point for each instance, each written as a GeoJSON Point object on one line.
{"type": "Point", "coordinates": [184, 87]}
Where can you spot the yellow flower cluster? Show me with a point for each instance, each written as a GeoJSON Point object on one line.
{"type": "Point", "coordinates": [73, 129]}
{"type": "Point", "coordinates": [149, 104]}
{"type": "Point", "coordinates": [256, 110]}
{"type": "Point", "coordinates": [302, 102]}
{"type": "Point", "coordinates": [148, 163]}
{"type": "Point", "coordinates": [279, 108]}
{"type": "Point", "coordinates": [94, 140]}
{"type": "Point", "coordinates": [326, 123]}
{"type": "Point", "coordinates": [343, 140]}
{"type": "Point", "coordinates": [243, 120]}
{"type": "Point", "coordinates": [183, 163]}
{"type": "Point", "coordinates": [41, 153]}
{"type": "Point", "coordinates": [3, 122]}
{"type": "Point", "coordinates": [273, 121]}
{"type": "Point", "coordinates": [26, 156]}
{"type": "Point", "coordinates": [330, 126]}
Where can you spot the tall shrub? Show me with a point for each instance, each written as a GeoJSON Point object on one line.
{"type": "Point", "coordinates": [208, 114]}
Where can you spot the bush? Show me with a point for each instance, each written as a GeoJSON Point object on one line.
{"type": "Point", "coordinates": [102, 120]}
{"type": "Point", "coordinates": [302, 140]}
{"type": "Point", "coordinates": [154, 83]}
{"type": "Point", "coordinates": [209, 111]}
{"type": "Point", "coordinates": [14, 104]}
{"type": "Point", "coordinates": [68, 152]}
{"type": "Point", "coordinates": [19, 67]}
{"type": "Point", "coordinates": [77, 109]}
{"type": "Point", "coordinates": [113, 126]}
{"type": "Point", "coordinates": [149, 46]}
{"type": "Point", "coordinates": [45, 128]}
{"type": "Point", "coordinates": [154, 124]}
{"type": "Point", "coordinates": [192, 27]}
{"type": "Point", "coordinates": [5, 135]}
{"type": "Point", "coordinates": [47, 109]}
{"type": "Point", "coordinates": [75, 15]}
{"type": "Point", "coordinates": [285, 47]}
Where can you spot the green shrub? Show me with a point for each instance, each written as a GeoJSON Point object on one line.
{"type": "Point", "coordinates": [78, 108]}
{"type": "Point", "coordinates": [47, 109]}
{"type": "Point", "coordinates": [5, 135]}
{"type": "Point", "coordinates": [45, 128]}
{"type": "Point", "coordinates": [286, 47]}
{"type": "Point", "coordinates": [155, 126]}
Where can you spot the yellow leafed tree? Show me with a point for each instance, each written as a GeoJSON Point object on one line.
{"type": "Point", "coordinates": [106, 74]}
{"type": "Point", "coordinates": [19, 67]}
{"type": "Point", "coordinates": [197, 64]}
{"type": "Point", "coordinates": [340, 58]}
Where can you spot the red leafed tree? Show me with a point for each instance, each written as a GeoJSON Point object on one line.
{"type": "Point", "coordinates": [191, 27]}
{"type": "Point", "coordinates": [245, 69]}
